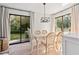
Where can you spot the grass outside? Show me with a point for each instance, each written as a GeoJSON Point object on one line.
{"type": "Point", "coordinates": [17, 36]}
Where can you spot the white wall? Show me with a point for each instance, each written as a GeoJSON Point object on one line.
{"type": "Point", "coordinates": [17, 12]}
{"type": "Point", "coordinates": [41, 26]}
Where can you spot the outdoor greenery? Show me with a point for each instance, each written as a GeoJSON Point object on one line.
{"type": "Point", "coordinates": [19, 25]}
{"type": "Point", "coordinates": [15, 36]}
{"type": "Point", "coordinates": [59, 24]}
{"type": "Point", "coordinates": [66, 23]}
{"type": "Point", "coordinates": [15, 24]}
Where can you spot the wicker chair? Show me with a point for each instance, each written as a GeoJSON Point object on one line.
{"type": "Point", "coordinates": [34, 46]}
{"type": "Point", "coordinates": [35, 42]}
{"type": "Point", "coordinates": [50, 43]}
{"type": "Point", "coordinates": [42, 45]}
{"type": "Point", "coordinates": [58, 43]}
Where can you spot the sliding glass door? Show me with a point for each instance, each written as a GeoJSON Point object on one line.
{"type": "Point", "coordinates": [25, 25]}
{"type": "Point", "coordinates": [19, 28]}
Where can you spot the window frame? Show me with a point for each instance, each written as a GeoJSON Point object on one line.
{"type": "Point", "coordinates": [62, 21]}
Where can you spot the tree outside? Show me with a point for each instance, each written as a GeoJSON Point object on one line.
{"type": "Point", "coordinates": [19, 25]}
{"type": "Point", "coordinates": [66, 23]}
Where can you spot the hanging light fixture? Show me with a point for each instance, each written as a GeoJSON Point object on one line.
{"type": "Point", "coordinates": [44, 18]}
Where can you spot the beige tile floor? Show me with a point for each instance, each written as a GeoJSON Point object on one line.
{"type": "Point", "coordinates": [25, 49]}
{"type": "Point", "coordinates": [20, 49]}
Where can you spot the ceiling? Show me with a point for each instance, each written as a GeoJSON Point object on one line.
{"type": "Point", "coordinates": [38, 7]}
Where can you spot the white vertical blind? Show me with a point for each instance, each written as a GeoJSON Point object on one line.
{"type": "Point", "coordinates": [75, 19]}
{"type": "Point", "coordinates": [4, 21]}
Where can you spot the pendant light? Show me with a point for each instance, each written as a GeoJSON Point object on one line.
{"type": "Point", "coordinates": [44, 18]}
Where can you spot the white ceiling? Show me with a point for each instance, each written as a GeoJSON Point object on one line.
{"type": "Point", "coordinates": [38, 7]}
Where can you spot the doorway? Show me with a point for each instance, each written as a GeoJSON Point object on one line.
{"type": "Point", "coordinates": [19, 28]}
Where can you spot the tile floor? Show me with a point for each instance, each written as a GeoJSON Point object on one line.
{"type": "Point", "coordinates": [20, 49]}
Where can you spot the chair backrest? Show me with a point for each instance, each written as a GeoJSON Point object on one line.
{"type": "Point", "coordinates": [58, 41]}
{"type": "Point", "coordinates": [44, 32]}
{"type": "Point", "coordinates": [59, 37]}
{"type": "Point", "coordinates": [50, 38]}
{"type": "Point", "coordinates": [37, 32]}
{"type": "Point", "coordinates": [34, 38]}
{"type": "Point", "coordinates": [50, 41]}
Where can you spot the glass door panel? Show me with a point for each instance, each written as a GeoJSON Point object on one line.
{"type": "Point", "coordinates": [67, 23]}
{"type": "Point", "coordinates": [58, 26]}
{"type": "Point", "coordinates": [20, 26]}
{"type": "Point", "coordinates": [25, 25]}
{"type": "Point", "coordinates": [15, 29]}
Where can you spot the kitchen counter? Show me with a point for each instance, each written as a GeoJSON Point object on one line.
{"type": "Point", "coordinates": [70, 44]}
{"type": "Point", "coordinates": [72, 35]}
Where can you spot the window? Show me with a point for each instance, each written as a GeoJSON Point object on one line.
{"type": "Point", "coordinates": [58, 26]}
{"type": "Point", "coordinates": [63, 23]}
{"type": "Point", "coordinates": [67, 23]}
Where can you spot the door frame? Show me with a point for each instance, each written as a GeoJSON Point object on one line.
{"type": "Point", "coordinates": [20, 29]}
